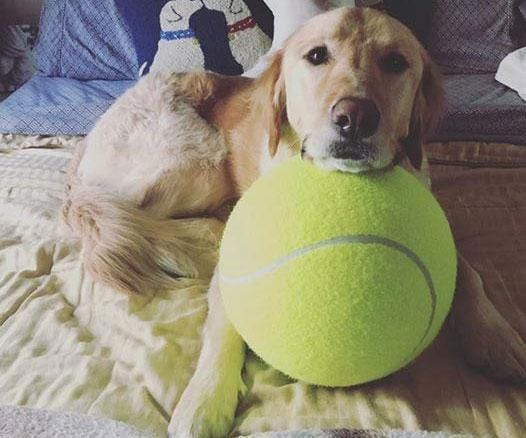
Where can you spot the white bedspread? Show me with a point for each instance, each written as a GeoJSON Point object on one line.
{"type": "Point", "coordinates": [67, 343]}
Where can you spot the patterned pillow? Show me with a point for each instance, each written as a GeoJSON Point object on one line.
{"type": "Point", "coordinates": [218, 35]}
{"type": "Point", "coordinates": [142, 19]}
{"type": "Point", "coordinates": [473, 36]}
{"type": "Point", "coordinates": [85, 39]}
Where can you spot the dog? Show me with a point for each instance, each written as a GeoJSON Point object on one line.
{"type": "Point", "coordinates": [352, 91]}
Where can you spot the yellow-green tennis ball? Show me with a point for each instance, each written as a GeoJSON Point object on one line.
{"type": "Point", "coordinates": [337, 279]}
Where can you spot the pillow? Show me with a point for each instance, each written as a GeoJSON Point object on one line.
{"type": "Point", "coordinates": [473, 36]}
{"type": "Point", "coordinates": [85, 39]}
{"type": "Point", "coordinates": [142, 19]}
{"type": "Point", "coordinates": [216, 35]}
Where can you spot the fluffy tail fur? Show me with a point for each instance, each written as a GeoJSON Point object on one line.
{"type": "Point", "coordinates": [133, 251]}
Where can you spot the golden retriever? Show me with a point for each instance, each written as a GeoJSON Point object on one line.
{"type": "Point", "coordinates": [352, 91]}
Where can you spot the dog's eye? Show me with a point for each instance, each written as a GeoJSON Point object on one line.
{"type": "Point", "coordinates": [394, 63]}
{"type": "Point", "coordinates": [318, 55]}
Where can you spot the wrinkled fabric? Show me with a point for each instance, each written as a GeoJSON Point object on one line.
{"type": "Point", "coordinates": [68, 344]}
{"type": "Point", "coordinates": [86, 40]}
{"type": "Point", "coordinates": [478, 108]}
{"type": "Point", "coordinates": [58, 106]}
{"type": "Point", "coordinates": [17, 421]}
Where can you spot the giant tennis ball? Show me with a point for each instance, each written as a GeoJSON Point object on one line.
{"type": "Point", "coordinates": [337, 279]}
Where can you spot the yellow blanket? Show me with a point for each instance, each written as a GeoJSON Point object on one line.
{"type": "Point", "coordinates": [69, 344]}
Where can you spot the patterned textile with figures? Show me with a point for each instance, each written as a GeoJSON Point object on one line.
{"type": "Point", "coordinates": [216, 35]}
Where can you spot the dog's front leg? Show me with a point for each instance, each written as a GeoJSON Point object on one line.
{"type": "Point", "coordinates": [488, 340]}
{"type": "Point", "coordinates": [207, 406]}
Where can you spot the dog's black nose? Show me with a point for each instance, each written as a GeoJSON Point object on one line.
{"type": "Point", "coordinates": [355, 118]}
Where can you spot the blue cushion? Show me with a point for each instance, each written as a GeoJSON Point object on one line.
{"type": "Point", "coordinates": [58, 106]}
{"type": "Point", "coordinates": [85, 39]}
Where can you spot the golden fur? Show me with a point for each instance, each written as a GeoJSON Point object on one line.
{"type": "Point", "coordinates": [262, 121]}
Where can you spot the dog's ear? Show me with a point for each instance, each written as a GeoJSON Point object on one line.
{"type": "Point", "coordinates": [273, 101]}
{"type": "Point", "coordinates": [427, 108]}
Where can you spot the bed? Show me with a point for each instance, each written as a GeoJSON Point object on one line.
{"type": "Point", "coordinates": [72, 347]}
{"type": "Point", "coordinates": [69, 344]}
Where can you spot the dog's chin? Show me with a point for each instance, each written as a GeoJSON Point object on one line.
{"type": "Point", "coordinates": [332, 163]}
{"type": "Point", "coordinates": [358, 157]}
{"type": "Point", "coordinates": [343, 165]}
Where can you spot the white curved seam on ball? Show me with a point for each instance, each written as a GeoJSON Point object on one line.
{"type": "Point", "coordinates": [365, 239]}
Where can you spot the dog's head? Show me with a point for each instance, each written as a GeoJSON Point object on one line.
{"type": "Point", "coordinates": [357, 88]}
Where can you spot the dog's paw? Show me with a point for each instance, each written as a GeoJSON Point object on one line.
{"type": "Point", "coordinates": [206, 410]}
{"type": "Point", "coordinates": [488, 341]}
{"type": "Point", "coordinates": [491, 344]}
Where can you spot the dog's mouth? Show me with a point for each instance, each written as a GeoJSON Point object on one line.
{"type": "Point", "coordinates": [354, 156]}
{"type": "Point", "coordinates": [353, 150]}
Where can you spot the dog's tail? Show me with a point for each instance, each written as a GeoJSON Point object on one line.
{"type": "Point", "coordinates": [129, 249]}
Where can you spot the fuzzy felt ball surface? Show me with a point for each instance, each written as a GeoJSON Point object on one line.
{"type": "Point", "coordinates": [337, 279]}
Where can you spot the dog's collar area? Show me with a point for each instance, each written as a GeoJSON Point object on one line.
{"type": "Point", "coordinates": [398, 158]}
